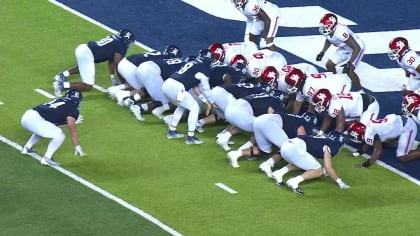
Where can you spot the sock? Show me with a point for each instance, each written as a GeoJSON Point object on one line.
{"type": "Point", "coordinates": [120, 86]}
{"type": "Point", "coordinates": [137, 97]}
{"type": "Point", "coordinates": [144, 106]}
{"type": "Point", "coordinates": [66, 73]}
{"type": "Point", "coordinates": [66, 85]}
{"type": "Point", "coordinates": [190, 133]}
{"type": "Point", "coordinates": [298, 179]}
{"type": "Point", "coordinates": [270, 162]}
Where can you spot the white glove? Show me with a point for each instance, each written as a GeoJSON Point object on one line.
{"type": "Point", "coordinates": [321, 134]}
{"type": "Point", "coordinates": [78, 150]}
{"type": "Point", "coordinates": [79, 119]}
{"type": "Point", "coordinates": [341, 184]}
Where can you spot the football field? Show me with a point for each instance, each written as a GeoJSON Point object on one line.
{"type": "Point", "coordinates": [134, 181]}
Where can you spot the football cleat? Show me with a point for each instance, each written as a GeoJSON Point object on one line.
{"type": "Point", "coordinates": [199, 128]}
{"type": "Point", "coordinates": [293, 186]}
{"type": "Point", "coordinates": [266, 168]}
{"type": "Point", "coordinates": [26, 150]}
{"type": "Point", "coordinates": [136, 110]}
{"type": "Point", "coordinates": [233, 157]}
{"type": "Point", "coordinates": [158, 112]}
{"type": "Point", "coordinates": [173, 134]}
{"type": "Point", "coordinates": [49, 162]}
{"type": "Point", "coordinates": [193, 140]}
{"type": "Point", "coordinates": [58, 87]}
{"type": "Point", "coordinates": [223, 141]}
{"type": "Point", "coordinates": [60, 77]}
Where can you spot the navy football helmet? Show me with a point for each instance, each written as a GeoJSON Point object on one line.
{"type": "Point", "coordinates": [173, 51]}
{"type": "Point", "coordinates": [205, 55]}
{"type": "Point", "coordinates": [126, 36]}
{"type": "Point", "coordinates": [75, 95]}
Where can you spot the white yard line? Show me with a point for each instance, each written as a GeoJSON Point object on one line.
{"type": "Point", "coordinates": [226, 188]}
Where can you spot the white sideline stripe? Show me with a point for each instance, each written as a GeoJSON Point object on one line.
{"type": "Point", "coordinates": [97, 189]}
{"type": "Point", "coordinates": [386, 166]}
{"type": "Point", "coordinates": [45, 93]}
{"type": "Point", "coordinates": [226, 188]}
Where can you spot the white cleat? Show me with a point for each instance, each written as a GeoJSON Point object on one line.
{"type": "Point", "coordinates": [137, 112]}
{"type": "Point", "coordinates": [158, 112]}
{"type": "Point", "coordinates": [266, 168]}
{"type": "Point", "coordinates": [233, 157]}
{"type": "Point", "coordinates": [223, 141]}
{"type": "Point", "coordinates": [49, 162]}
{"type": "Point", "coordinates": [278, 178]}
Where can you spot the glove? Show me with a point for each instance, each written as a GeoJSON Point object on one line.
{"type": "Point", "coordinates": [341, 184]}
{"type": "Point", "coordinates": [78, 150]}
{"type": "Point", "coordinates": [321, 134]}
{"type": "Point", "coordinates": [346, 67]}
{"type": "Point", "coordinates": [79, 119]}
{"type": "Point", "coordinates": [320, 56]}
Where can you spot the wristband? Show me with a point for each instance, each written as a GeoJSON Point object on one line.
{"type": "Point", "coordinates": [366, 164]}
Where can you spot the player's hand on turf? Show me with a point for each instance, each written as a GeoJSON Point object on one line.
{"type": "Point", "coordinates": [78, 151]}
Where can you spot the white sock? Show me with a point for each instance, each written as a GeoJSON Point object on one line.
{"type": "Point", "coordinates": [137, 97]}
{"type": "Point", "coordinates": [66, 73]}
{"type": "Point", "coordinates": [270, 162]}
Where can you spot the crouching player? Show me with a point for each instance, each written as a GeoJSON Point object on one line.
{"type": "Point", "coordinates": [302, 153]}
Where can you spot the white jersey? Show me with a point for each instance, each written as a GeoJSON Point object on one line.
{"type": "Point", "coordinates": [252, 7]}
{"type": "Point", "coordinates": [335, 83]}
{"type": "Point", "coordinates": [306, 68]}
{"type": "Point", "coordinates": [352, 103]}
{"type": "Point", "coordinates": [409, 62]}
{"type": "Point", "coordinates": [341, 35]}
{"type": "Point", "coordinates": [263, 58]}
{"type": "Point", "coordinates": [246, 49]}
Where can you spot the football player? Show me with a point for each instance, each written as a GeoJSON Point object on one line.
{"type": "Point", "coordinates": [131, 67]}
{"type": "Point", "coordinates": [193, 75]}
{"type": "Point", "coordinates": [391, 128]}
{"type": "Point", "coordinates": [272, 129]}
{"type": "Point", "coordinates": [302, 152]}
{"type": "Point", "coordinates": [262, 21]}
{"type": "Point", "coordinates": [343, 107]}
{"type": "Point", "coordinates": [349, 48]}
{"type": "Point", "coordinates": [411, 106]}
{"type": "Point", "coordinates": [305, 85]}
{"type": "Point", "coordinates": [46, 120]}
{"type": "Point", "coordinates": [112, 49]}
{"type": "Point", "coordinates": [408, 60]}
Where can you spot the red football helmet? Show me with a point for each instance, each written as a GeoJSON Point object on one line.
{"type": "Point", "coordinates": [397, 48]}
{"type": "Point", "coordinates": [218, 51]}
{"type": "Point", "coordinates": [239, 3]}
{"type": "Point", "coordinates": [239, 59]}
{"type": "Point", "coordinates": [410, 103]}
{"type": "Point", "coordinates": [321, 100]}
{"type": "Point", "coordinates": [269, 78]}
{"type": "Point", "coordinates": [294, 80]}
{"type": "Point", "coordinates": [327, 24]}
{"type": "Point", "coordinates": [356, 131]}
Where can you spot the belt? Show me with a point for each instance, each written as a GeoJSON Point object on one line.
{"type": "Point", "coordinates": [367, 100]}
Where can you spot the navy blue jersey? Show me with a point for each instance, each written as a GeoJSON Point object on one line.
{"type": "Point", "coordinates": [105, 49]}
{"type": "Point", "coordinates": [186, 75]}
{"type": "Point", "coordinates": [169, 66]}
{"type": "Point", "coordinates": [218, 73]}
{"type": "Point", "coordinates": [262, 101]}
{"type": "Point", "coordinates": [291, 123]}
{"type": "Point", "coordinates": [57, 110]}
{"type": "Point", "coordinates": [315, 144]}
{"type": "Point", "coordinates": [243, 89]}
{"type": "Point", "coordinates": [139, 58]}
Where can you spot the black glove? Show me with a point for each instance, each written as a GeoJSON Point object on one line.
{"type": "Point", "coordinates": [346, 67]}
{"type": "Point", "coordinates": [320, 56]}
